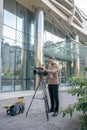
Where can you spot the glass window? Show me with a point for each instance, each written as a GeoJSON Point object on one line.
{"type": "Point", "coordinates": [32, 33]}
{"type": "Point", "coordinates": [47, 37]}
{"type": "Point", "coordinates": [9, 19]}
{"type": "Point", "coordinates": [55, 39]}
{"type": "Point", "coordinates": [19, 23]}
{"type": "Point", "coordinates": [19, 39]}
{"type": "Point", "coordinates": [17, 47]}
{"type": "Point", "coordinates": [9, 33]}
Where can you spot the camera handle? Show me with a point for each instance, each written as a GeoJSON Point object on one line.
{"type": "Point", "coordinates": [43, 87]}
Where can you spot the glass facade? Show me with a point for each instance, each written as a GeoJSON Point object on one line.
{"type": "Point", "coordinates": [70, 55]}
{"type": "Point", "coordinates": [17, 48]}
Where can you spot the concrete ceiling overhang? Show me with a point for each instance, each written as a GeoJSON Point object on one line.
{"type": "Point", "coordinates": [50, 9]}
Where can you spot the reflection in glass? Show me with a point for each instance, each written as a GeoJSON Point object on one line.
{"type": "Point", "coordinates": [9, 19]}
{"type": "Point", "coordinates": [19, 39]}
{"type": "Point", "coordinates": [9, 33]}
{"type": "Point", "coordinates": [19, 23]}
{"type": "Point", "coordinates": [32, 34]}
{"type": "Point", "coordinates": [17, 47]}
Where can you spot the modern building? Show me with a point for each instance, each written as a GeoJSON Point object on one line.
{"type": "Point", "coordinates": [32, 30]}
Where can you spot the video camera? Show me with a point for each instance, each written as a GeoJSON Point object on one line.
{"type": "Point", "coordinates": [39, 71]}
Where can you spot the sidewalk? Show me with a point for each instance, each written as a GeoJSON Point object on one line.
{"type": "Point", "coordinates": [8, 95]}
{"type": "Point", "coordinates": [36, 119]}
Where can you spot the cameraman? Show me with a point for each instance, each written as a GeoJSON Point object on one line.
{"type": "Point", "coordinates": [53, 84]}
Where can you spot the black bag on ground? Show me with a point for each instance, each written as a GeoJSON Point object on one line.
{"type": "Point", "coordinates": [17, 109]}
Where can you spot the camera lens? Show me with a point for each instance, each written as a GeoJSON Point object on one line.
{"type": "Point", "coordinates": [35, 71]}
{"type": "Point", "coordinates": [39, 71]}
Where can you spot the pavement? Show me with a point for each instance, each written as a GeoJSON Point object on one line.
{"type": "Point", "coordinates": [36, 118]}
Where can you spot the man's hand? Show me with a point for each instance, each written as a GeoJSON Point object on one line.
{"type": "Point", "coordinates": [43, 68]}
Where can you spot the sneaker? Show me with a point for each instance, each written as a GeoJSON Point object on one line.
{"type": "Point", "coordinates": [55, 113]}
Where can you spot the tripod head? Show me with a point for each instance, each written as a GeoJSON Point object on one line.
{"type": "Point", "coordinates": [39, 71]}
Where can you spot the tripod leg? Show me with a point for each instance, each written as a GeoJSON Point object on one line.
{"type": "Point", "coordinates": [32, 99]}
{"type": "Point", "coordinates": [46, 107]}
{"type": "Point", "coordinates": [45, 99]}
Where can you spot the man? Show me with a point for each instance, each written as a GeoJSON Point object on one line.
{"type": "Point", "coordinates": [53, 84]}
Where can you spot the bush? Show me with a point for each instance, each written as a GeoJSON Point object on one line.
{"type": "Point", "coordinates": [79, 88]}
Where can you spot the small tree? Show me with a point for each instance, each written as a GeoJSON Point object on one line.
{"type": "Point", "coordinates": [79, 88]}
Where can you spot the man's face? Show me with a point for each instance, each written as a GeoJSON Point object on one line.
{"type": "Point", "coordinates": [51, 61]}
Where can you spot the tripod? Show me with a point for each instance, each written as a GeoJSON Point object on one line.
{"type": "Point", "coordinates": [41, 84]}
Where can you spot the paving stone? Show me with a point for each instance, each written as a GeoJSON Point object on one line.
{"type": "Point", "coordinates": [36, 118]}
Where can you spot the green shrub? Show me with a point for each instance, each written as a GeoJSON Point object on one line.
{"type": "Point", "coordinates": [79, 88]}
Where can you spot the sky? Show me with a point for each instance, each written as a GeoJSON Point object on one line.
{"type": "Point", "coordinates": [82, 4]}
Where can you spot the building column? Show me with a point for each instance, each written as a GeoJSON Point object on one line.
{"type": "Point", "coordinates": [39, 39]}
{"type": "Point", "coordinates": [39, 36]}
{"type": "Point", "coordinates": [77, 59]}
{"type": "Point", "coordinates": [1, 19]}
